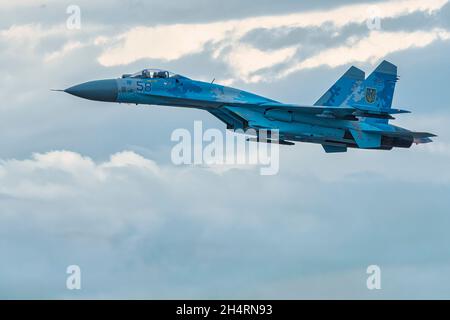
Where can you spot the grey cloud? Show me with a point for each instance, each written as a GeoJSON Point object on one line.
{"type": "Point", "coordinates": [418, 21]}
{"type": "Point", "coordinates": [312, 40]}
{"type": "Point", "coordinates": [134, 244]}
{"type": "Point", "coordinates": [137, 12]}
{"type": "Point", "coordinates": [308, 232]}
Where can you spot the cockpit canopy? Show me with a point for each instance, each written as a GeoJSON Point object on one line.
{"type": "Point", "coordinates": [152, 74]}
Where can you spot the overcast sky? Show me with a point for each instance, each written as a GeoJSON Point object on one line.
{"type": "Point", "coordinates": [92, 184]}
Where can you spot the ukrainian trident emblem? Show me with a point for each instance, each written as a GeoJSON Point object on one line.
{"type": "Point", "coordinates": [371, 95]}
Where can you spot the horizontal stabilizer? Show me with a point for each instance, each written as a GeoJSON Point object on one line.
{"type": "Point", "coordinates": [375, 110]}
{"type": "Point", "coordinates": [423, 134]}
{"type": "Point", "coordinates": [283, 142]}
{"type": "Point", "coordinates": [403, 133]}
{"type": "Point", "coordinates": [333, 149]}
{"type": "Point", "coordinates": [422, 140]}
{"type": "Point", "coordinates": [398, 111]}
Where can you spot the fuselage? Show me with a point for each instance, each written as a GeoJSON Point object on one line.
{"type": "Point", "coordinates": [240, 109]}
{"type": "Point", "coordinates": [182, 92]}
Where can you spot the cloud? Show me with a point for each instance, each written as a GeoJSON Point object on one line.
{"type": "Point", "coordinates": [225, 41]}
{"type": "Point", "coordinates": [140, 229]}
{"type": "Point", "coordinates": [165, 42]}
{"type": "Point", "coordinates": [245, 60]}
{"type": "Point", "coordinates": [172, 42]}
{"type": "Point", "coordinates": [372, 48]}
{"type": "Point", "coordinates": [19, 4]}
{"type": "Point", "coordinates": [62, 173]}
{"type": "Point", "coordinates": [438, 148]}
{"type": "Point", "coordinates": [29, 34]}
{"type": "Point", "coordinates": [66, 49]}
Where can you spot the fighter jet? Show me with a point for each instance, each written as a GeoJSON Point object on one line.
{"type": "Point", "coordinates": [353, 113]}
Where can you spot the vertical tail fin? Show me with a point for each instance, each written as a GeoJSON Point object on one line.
{"type": "Point", "coordinates": [377, 91]}
{"type": "Point", "coordinates": [340, 91]}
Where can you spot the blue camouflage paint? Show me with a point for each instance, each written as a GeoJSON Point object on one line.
{"type": "Point", "coordinates": [353, 113]}
{"type": "Point", "coordinates": [346, 84]}
{"type": "Point", "coordinates": [380, 83]}
{"type": "Point", "coordinates": [181, 91]}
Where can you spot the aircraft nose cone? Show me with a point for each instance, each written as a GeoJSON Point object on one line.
{"type": "Point", "coordinates": [99, 90]}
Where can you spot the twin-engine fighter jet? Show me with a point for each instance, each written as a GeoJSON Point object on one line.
{"type": "Point", "coordinates": [353, 113]}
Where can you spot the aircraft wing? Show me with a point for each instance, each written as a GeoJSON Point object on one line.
{"type": "Point", "coordinates": [337, 112]}
{"type": "Point", "coordinates": [328, 111]}
{"type": "Point", "coordinates": [278, 111]}
{"type": "Point", "coordinates": [230, 118]}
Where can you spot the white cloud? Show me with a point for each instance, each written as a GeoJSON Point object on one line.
{"type": "Point", "coordinates": [21, 4]}
{"type": "Point", "coordinates": [66, 49]}
{"type": "Point", "coordinates": [372, 48]}
{"type": "Point", "coordinates": [141, 229]}
{"type": "Point", "coordinates": [171, 42]}
{"type": "Point", "coordinates": [36, 32]}
{"type": "Point", "coordinates": [57, 173]}
{"type": "Point", "coordinates": [129, 159]}
{"type": "Point", "coordinates": [29, 34]}
{"type": "Point", "coordinates": [129, 222]}
{"type": "Point", "coordinates": [27, 37]}
{"type": "Point", "coordinates": [245, 59]}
